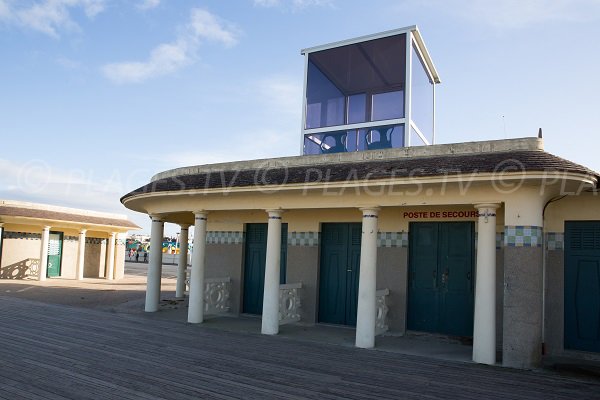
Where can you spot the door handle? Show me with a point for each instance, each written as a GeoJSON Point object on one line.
{"type": "Point", "coordinates": [434, 277]}
{"type": "Point", "coordinates": [445, 276]}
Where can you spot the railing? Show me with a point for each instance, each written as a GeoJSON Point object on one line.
{"type": "Point", "coordinates": [382, 310]}
{"type": "Point", "coordinates": [289, 303]}
{"type": "Point", "coordinates": [216, 294]}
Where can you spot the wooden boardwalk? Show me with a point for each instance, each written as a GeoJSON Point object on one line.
{"type": "Point", "coordinates": [58, 352]}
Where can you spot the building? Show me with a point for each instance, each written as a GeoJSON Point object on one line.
{"type": "Point", "coordinates": [42, 241]}
{"type": "Point", "coordinates": [375, 227]}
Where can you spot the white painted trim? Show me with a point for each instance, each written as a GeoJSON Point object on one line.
{"type": "Point", "coordinates": [433, 117]}
{"type": "Point", "coordinates": [416, 128]}
{"type": "Point", "coordinates": [427, 58]}
{"type": "Point", "coordinates": [302, 128]}
{"type": "Point", "coordinates": [408, 90]}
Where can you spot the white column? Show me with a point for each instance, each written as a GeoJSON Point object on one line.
{"type": "Point", "coordinates": [110, 265]}
{"type": "Point", "coordinates": [81, 254]}
{"type": "Point", "coordinates": [155, 265]}
{"type": "Point", "coordinates": [182, 266]}
{"type": "Point", "coordinates": [196, 303]}
{"type": "Point", "coordinates": [270, 311]}
{"type": "Point", "coordinates": [1, 231]}
{"type": "Point", "coordinates": [367, 281]}
{"type": "Point", "coordinates": [484, 320]}
{"type": "Point", "coordinates": [44, 253]}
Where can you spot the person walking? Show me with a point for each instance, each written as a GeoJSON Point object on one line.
{"type": "Point", "coordinates": [137, 256]}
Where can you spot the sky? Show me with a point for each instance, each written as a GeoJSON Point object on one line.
{"type": "Point", "coordinates": [96, 96]}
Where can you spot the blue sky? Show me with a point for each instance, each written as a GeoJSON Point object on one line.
{"type": "Point", "coordinates": [99, 95]}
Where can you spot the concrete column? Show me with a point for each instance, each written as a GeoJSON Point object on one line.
{"type": "Point", "coordinates": [155, 265]}
{"type": "Point", "coordinates": [270, 313]}
{"type": "Point", "coordinates": [182, 266]}
{"type": "Point", "coordinates": [367, 281]}
{"type": "Point", "coordinates": [196, 303]}
{"type": "Point", "coordinates": [110, 265]}
{"type": "Point", "coordinates": [523, 279]}
{"type": "Point", "coordinates": [81, 254]}
{"type": "Point", "coordinates": [44, 253]}
{"type": "Point", "coordinates": [484, 320]}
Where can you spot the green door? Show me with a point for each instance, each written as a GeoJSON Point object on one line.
{"type": "Point", "coordinates": [54, 254]}
{"type": "Point", "coordinates": [440, 293]}
{"type": "Point", "coordinates": [582, 285]}
{"type": "Point", "coordinates": [254, 265]}
{"type": "Point", "coordinates": [339, 272]}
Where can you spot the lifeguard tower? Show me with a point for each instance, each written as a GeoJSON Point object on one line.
{"type": "Point", "coordinates": [367, 93]}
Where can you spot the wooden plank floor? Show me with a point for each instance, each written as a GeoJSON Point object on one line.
{"type": "Point", "coordinates": [58, 352]}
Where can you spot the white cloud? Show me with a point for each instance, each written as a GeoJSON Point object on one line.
{"type": "Point", "coordinates": [5, 12]}
{"type": "Point", "coordinates": [148, 4]}
{"type": "Point", "coordinates": [170, 57]}
{"type": "Point", "coordinates": [517, 13]}
{"type": "Point", "coordinates": [205, 25]}
{"type": "Point", "coordinates": [37, 181]}
{"type": "Point", "coordinates": [164, 59]}
{"type": "Point", "coordinates": [48, 16]}
{"type": "Point", "coordinates": [294, 4]}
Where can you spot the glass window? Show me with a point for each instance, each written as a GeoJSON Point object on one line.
{"type": "Point", "coordinates": [324, 101]}
{"type": "Point", "coordinates": [342, 82]}
{"type": "Point", "coordinates": [357, 108]}
{"type": "Point", "coordinates": [415, 139]}
{"type": "Point", "coordinates": [422, 97]}
{"type": "Point", "coordinates": [385, 137]}
{"type": "Point", "coordinates": [330, 142]}
{"type": "Point", "coordinates": [387, 105]}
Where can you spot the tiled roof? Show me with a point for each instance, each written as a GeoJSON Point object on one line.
{"type": "Point", "coordinates": [63, 216]}
{"type": "Point", "coordinates": [447, 165]}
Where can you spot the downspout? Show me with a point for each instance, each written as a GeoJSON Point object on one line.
{"type": "Point", "coordinates": [544, 251]}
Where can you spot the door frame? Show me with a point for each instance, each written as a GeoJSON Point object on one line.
{"type": "Point", "coordinates": [408, 267]}
{"type": "Point", "coordinates": [283, 260]}
{"type": "Point", "coordinates": [62, 243]}
{"type": "Point", "coordinates": [320, 270]}
{"type": "Point", "coordinates": [570, 343]}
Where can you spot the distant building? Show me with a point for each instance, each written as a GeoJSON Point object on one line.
{"type": "Point", "coordinates": [42, 241]}
{"type": "Point", "coordinates": [375, 227]}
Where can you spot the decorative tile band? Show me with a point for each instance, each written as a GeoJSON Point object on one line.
{"type": "Point", "coordinates": [21, 235]}
{"type": "Point", "coordinates": [120, 242]}
{"type": "Point", "coordinates": [523, 236]}
{"type": "Point", "coordinates": [224, 237]}
{"type": "Point", "coordinates": [303, 239]}
{"type": "Point", "coordinates": [392, 239]}
{"type": "Point", "coordinates": [92, 240]}
{"type": "Point", "coordinates": [555, 241]}
{"type": "Point", "coordinates": [71, 238]}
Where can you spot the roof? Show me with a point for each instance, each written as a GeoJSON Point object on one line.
{"type": "Point", "coordinates": [413, 28]}
{"type": "Point", "coordinates": [528, 160]}
{"type": "Point", "coordinates": [47, 212]}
